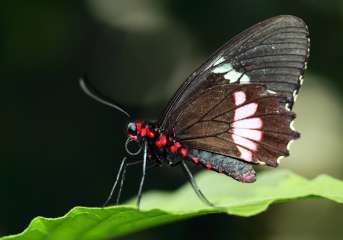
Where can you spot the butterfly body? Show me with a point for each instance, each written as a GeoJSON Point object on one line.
{"type": "Point", "coordinates": [162, 147]}
{"type": "Point", "coordinates": [164, 150]}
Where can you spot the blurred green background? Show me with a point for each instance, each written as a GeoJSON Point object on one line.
{"type": "Point", "coordinates": [59, 149]}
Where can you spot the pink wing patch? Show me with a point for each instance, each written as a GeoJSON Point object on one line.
{"type": "Point", "coordinates": [245, 134]}
{"type": "Point", "coordinates": [248, 133]}
{"type": "Point", "coordinates": [245, 154]}
{"type": "Point", "coordinates": [250, 123]}
{"type": "Point", "coordinates": [245, 111]}
{"type": "Point", "coordinates": [240, 97]}
{"type": "Point", "coordinates": [244, 142]}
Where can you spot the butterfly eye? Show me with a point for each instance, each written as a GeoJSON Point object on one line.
{"type": "Point", "coordinates": [131, 128]}
{"type": "Point", "coordinates": [131, 131]}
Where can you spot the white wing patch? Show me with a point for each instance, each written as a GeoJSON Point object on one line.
{"type": "Point", "coordinates": [219, 61]}
{"type": "Point", "coordinates": [279, 159]}
{"type": "Point", "coordinates": [231, 74]}
{"type": "Point", "coordinates": [301, 79]}
{"type": "Point", "coordinates": [244, 79]}
{"type": "Point", "coordinates": [223, 68]}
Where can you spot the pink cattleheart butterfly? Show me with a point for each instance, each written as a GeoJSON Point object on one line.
{"type": "Point", "coordinates": [233, 112]}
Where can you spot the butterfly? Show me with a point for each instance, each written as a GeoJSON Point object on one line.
{"type": "Point", "coordinates": [233, 112]}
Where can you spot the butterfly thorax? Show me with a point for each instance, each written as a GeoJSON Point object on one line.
{"type": "Point", "coordinates": [162, 147]}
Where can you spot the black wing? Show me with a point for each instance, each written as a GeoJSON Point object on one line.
{"type": "Point", "coordinates": [273, 52]}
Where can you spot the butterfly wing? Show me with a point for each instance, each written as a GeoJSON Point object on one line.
{"type": "Point", "coordinates": [273, 52]}
{"type": "Point", "coordinates": [239, 102]}
{"type": "Point", "coordinates": [247, 122]}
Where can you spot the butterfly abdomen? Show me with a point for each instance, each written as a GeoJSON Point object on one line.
{"type": "Point", "coordinates": [239, 170]}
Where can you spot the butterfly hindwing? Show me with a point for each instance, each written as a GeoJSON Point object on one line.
{"type": "Point", "coordinates": [247, 122]}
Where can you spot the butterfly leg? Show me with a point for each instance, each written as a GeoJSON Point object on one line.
{"type": "Point", "coordinates": [195, 187]}
{"type": "Point", "coordinates": [139, 195]}
{"type": "Point", "coordinates": [121, 168]}
{"type": "Point", "coordinates": [121, 175]}
{"type": "Point", "coordinates": [123, 178]}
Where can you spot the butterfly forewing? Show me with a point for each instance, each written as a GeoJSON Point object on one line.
{"type": "Point", "coordinates": [238, 103]}
{"type": "Point", "coordinates": [273, 52]}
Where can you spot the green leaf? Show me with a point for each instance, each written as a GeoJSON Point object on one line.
{"type": "Point", "coordinates": [158, 208]}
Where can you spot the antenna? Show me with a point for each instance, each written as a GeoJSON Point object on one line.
{"type": "Point", "coordinates": [92, 92]}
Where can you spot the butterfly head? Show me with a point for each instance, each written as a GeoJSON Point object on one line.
{"type": "Point", "coordinates": [134, 140]}
{"type": "Point", "coordinates": [132, 130]}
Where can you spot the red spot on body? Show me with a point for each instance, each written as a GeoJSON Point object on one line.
{"type": "Point", "coordinates": [150, 133]}
{"type": "Point", "coordinates": [158, 144]}
{"type": "Point", "coordinates": [163, 140]}
{"type": "Point", "coordinates": [173, 149]}
{"type": "Point", "coordinates": [195, 160]}
{"type": "Point", "coordinates": [208, 166]}
{"type": "Point", "coordinates": [183, 152]}
{"type": "Point", "coordinates": [138, 125]}
{"type": "Point", "coordinates": [143, 132]}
